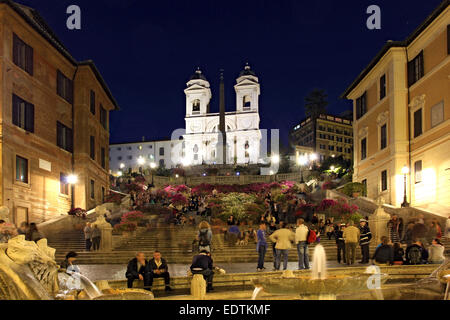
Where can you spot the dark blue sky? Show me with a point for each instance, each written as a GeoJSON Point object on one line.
{"type": "Point", "coordinates": [146, 50]}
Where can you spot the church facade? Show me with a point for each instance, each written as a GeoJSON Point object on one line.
{"type": "Point", "coordinates": [202, 143]}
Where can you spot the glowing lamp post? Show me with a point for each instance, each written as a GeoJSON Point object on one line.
{"type": "Point", "coordinates": [405, 171]}
{"type": "Point", "coordinates": [72, 180]}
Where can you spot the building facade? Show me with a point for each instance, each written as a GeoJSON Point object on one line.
{"type": "Point", "coordinates": [137, 156]}
{"type": "Point", "coordinates": [402, 117]}
{"type": "Point", "coordinates": [201, 142]}
{"type": "Point", "coordinates": [325, 135]}
{"type": "Point", "coordinates": [54, 122]}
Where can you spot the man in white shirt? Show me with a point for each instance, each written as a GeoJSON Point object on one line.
{"type": "Point", "coordinates": [301, 239]}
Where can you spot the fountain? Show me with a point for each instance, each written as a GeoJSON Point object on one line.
{"type": "Point", "coordinates": [318, 285]}
{"type": "Point", "coordinates": [28, 271]}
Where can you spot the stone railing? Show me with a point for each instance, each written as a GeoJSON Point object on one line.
{"type": "Point", "coordinates": [242, 179]}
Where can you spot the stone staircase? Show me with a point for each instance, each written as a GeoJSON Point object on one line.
{"type": "Point", "coordinates": [175, 245]}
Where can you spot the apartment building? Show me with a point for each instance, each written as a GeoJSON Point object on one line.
{"type": "Point", "coordinates": [54, 115]}
{"type": "Point", "coordinates": [401, 121]}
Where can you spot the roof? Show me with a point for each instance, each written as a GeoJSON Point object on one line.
{"type": "Point", "coordinates": [247, 71]}
{"type": "Point", "coordinates": [198, 75]}
{"type": "Point", "coordinates": [34, 19]}
{"type": "Point", "coordinates": [141, 142]}
{"type": "Point", "coordinates": [392, 44]}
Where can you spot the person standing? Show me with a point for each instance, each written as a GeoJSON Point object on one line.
{"type": "Point", "coordinates": [351, 237]}
{"type": "Point", "coordinates": [158, 268]}
{"type": "Point", "coordinates": [340, 243]}
{"type": "Point", "coordinates": [204, 236]}
{"type": "Point", "coordinates": [364, 240]}
{"type": "Point", "coordinates": [88, 236]}
{"type": "Point", "coordinates": [33, 233]}
{"type": "Point", "coordinates": [137, 269]}
{"type": "Point", "coordinates": [96, 236]}
{"type": "Point", "coordinates": [301, 239]}
{"type": "Point", "coordinates": [272, 229]}
{"type": "Point", "coordinates": [261, 245]}
{"type": "Point", "coordinates": [284, 239]}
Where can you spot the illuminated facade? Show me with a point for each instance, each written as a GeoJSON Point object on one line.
{"type": "Point", "coordinates": [326, 135]}
{"type": "Point", "coordinates": [54, 115]}
{"type": "Point", "coordinates": [402, 117]}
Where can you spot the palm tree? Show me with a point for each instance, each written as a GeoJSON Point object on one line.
{"type": "Point", "coordinates": [316, 103]}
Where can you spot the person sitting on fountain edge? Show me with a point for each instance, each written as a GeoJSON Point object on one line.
{"type": "Point", "coordinates": [203, 264]}
{"type": "Point", "coordinates": [138, 269]}
{"type": "Point", "coordinates": [158, 269]}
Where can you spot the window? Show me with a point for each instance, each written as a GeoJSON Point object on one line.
{"type": "Point", "coordinates": [331, 148]}
{"type": "Point", "coordinates": [246, 102]}
{"type": "Point", "coordinates": [415, 69]}
{"type": "Point", "coordinates": [363, 148]}
{"type": "Point", "coordinates": [119, 158]}
{"type": "Point", "coordinates": [323, 147]}
{"type": "Point", "coordinates": [22, 113]}
{"type": "Point", "coordinates": [119, 149]}
{"type": "Point", "coordinates": [161, 151]}
{"type": "Point", "coordinates": [92, 102]}
{"type": "Point", "coordinates": [22, 55]}
{"type": "Point", "coordinates": [103, 117]}
{"type": "Point", "coordinates": [21, 169]}
{"type": "Point", "coordinates": [448, 39]}
{"type": "Point", "coordinates": [64, 137]}
{"type": "Point", "coordinates": [361, 106]}
{"type": "Point", "coordinates": [161, 163]}
{"type": "Point", "coordinates": [92, 147]}
{"type": "Point", "coordinates": [92, 189]}
{"type": "Point", "coordinates": [195, 157]}
{"type": "Point", "coordinates": [63, 185]}
{"type": "Point", "coordinates": [382, 86]}
{"type": "Point", "coordinates": [418, 171]}
{"type": "Point", "coordinates": [437, 114]}
{"type": "Point", "coordinates": [103, 194]}
{"type": "Point", "coordinates": [103, 155]}
{"type": "Point", "coordinates": [383, 180]}
{"type": "Point", "coordinates": [417, 123]}
{"type": "Point", "coordinates": [130, 157]}
{"type": "Point", "coordinates": [364, 183]}
{"type": "Point", "coordinates": [383, 136]}
{"type": "Point", "coordinates": [64, 87]}
{"type": "Point", "coordinates": [196, 106]}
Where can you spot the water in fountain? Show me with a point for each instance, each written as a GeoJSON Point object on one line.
{"type": "Point", "coordinates": [319, 265]}
{"type": "Point", "coordinates": [256, 292]}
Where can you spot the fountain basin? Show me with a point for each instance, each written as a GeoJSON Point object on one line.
{"type": "Point", "coordinates": [306, 286]}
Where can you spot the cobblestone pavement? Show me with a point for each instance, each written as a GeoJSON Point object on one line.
{"type": "Point", "coordinates": [97, 272]}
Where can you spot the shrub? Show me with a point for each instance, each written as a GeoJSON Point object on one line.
{"type": "Point", "coordinates": [133, 216]}
{"type": "Point", "coordinates": [354, 187]}
{"type": "Point", "coordinates": [77, 212]}
{"type": "Point", "coordinates": [126, 227]}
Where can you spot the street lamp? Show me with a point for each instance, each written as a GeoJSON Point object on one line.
{"type": "Point", "coordinates": [275, 158]}
{"type": "Point", "coordinates": [302, 161]}
{"type": "Point", "coordinates": [405, 171]}
{"type": "Point", "coordinates": [72, 180]}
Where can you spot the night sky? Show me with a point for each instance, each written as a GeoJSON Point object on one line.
{"type": "Point", "coordinates": [146, 51]}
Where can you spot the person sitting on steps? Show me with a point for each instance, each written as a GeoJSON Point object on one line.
{"type": "Point", "coordinates": [158, 269]}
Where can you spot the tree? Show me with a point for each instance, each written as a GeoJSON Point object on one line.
{"type": "Point", "coordinates": [316, 102]}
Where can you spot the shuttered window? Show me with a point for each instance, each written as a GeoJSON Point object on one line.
{"type": "Point", "coordinates": [22, 113]}
{"type": "Point", "coordinates": [417, 123]}
{"type": "Point", "coordinates": [103, 155]}
{"type": "Point", "coordinates": [418, 171]}
{"type": "Point", "coordinates": [383, 136]}
{"type": "Point", "coordinates": [361, 106]}
{"type": "Point", "coordinates": [92, 147]}
{"type": "Point", "coordinates": [21, 169]}
{"type": "Point", "coordinates": [415, 69]}
{"type": "Point", "coordinates": [382, 86]}
{"type": "Point", "coordinates": [92, 102]}
{"type": "Point", "coordinates": [22, 55]}
{"type": "Point", "coordinates": [363, 148]}
{"type": "Point", "coordinates": [64, 87]}
{"type": "Point", "coordinates": [384, 185]}
{"type": "Point", "coordinates": [64, 137]}
{"type": "Point", "coordinates": [103, 117]}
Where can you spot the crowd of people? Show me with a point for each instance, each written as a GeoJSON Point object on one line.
{"type": "Point", "coordinates": [29, 230]}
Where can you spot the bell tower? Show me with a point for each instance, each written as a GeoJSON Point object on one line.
{"type": "Point", "coordinates": [247, 91]}
{"type": "Point", "coordinates": [198, 95]}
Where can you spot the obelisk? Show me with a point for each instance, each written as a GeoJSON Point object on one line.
{"type": "Point", "coordinates": [222, 127]}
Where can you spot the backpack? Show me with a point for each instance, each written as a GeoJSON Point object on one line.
{"type": "Point", "coordinates": [204, 241]}
{"type": "Point", "coordinates": [312, 237]}
{"type": "Point", "coordinates": [414, 255]}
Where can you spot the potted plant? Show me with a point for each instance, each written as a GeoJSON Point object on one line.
{"type": "Point", "coordinates": [354, 189]}
{"type": "Point", "coordinates": [126, 228]}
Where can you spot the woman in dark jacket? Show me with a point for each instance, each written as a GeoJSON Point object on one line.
{"type": "Point", "coordinates": [399, 254]}
{"type": "Point", "coordinates": [384, 253]}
